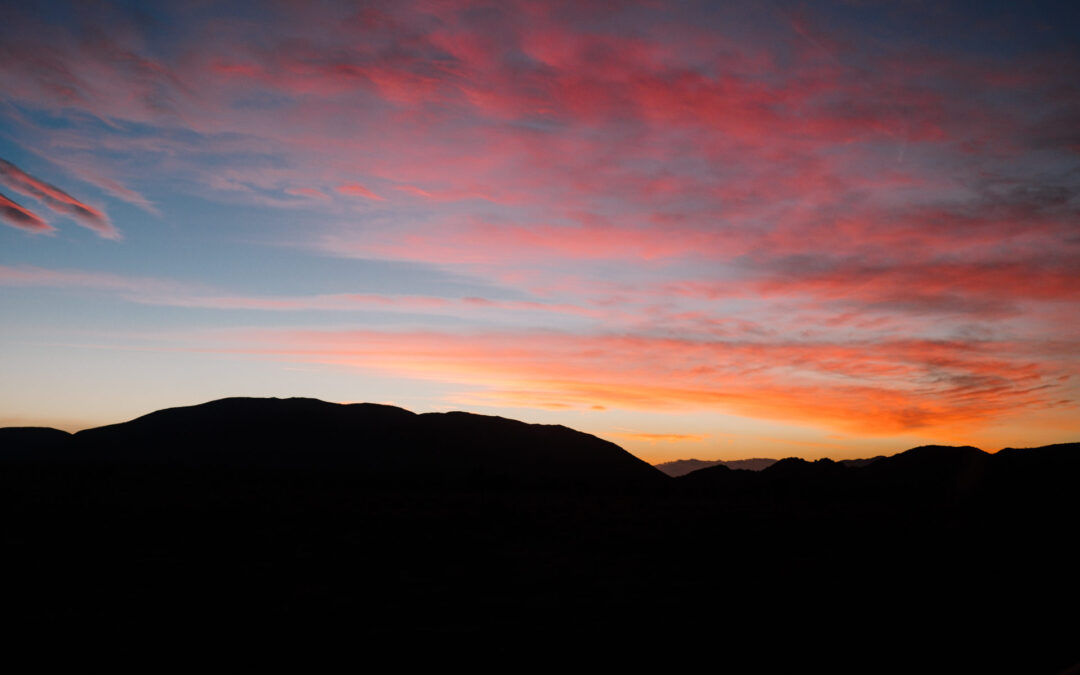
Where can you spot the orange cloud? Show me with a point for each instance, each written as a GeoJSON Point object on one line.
{"type": "Point", "coordinates": [868, 389]}
{"type": "Point", "coordinates": [652, 439]}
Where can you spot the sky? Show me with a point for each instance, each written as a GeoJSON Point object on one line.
{"type": "Point", "coordinates": [696, 229]}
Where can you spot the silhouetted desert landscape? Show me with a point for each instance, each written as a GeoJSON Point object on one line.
{"type": "Point", "coordinates": [463, 525]}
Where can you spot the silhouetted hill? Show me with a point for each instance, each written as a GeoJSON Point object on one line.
{"type": "Point", "coordinates": [1026, 478]}
{"type": "Point", "coordinates": [927, 476]}
{"type": "Point", "coordinates": [796, 467]}
{"type": "Point", "coordinates": [854, 463]}
{"type": "Point", "coordinates": [1049, 461]}
{"type": "Point", "coordinates": [381, 523]}
{"type": "Point", "coordinates": [932, 459]}
{"type": "Point", "coordinates": [717, 472]}
{"type": "Point", "coordinates": [752, 464]}
{"type": "Point", "coordinates": [30, 442]}
{"type": "Point", "coordinates": [932, 472]}
{"type": "Point", "coordinates": [365, 441]}
{"type": "Point", "coordinates": [681, 467]}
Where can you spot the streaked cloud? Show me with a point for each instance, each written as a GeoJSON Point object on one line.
{"type": "Point", "coordinates": [57, 200]}
{"type": "Point", "coordinates": [358, 190]}
{"type": "Point", "coordinates": [18, 216]}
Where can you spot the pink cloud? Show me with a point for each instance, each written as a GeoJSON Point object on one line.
{"type": "Point", "coordinates": [310, 193]}
{"type": "Point", "coordinates": [508, 244]}
{"type": "Point", "coordinates": [110, 185]}
{"type": "Point", "coordinates": [358, 190]}
{"type": "Point", "coordinates": [17, 216]}
{"type": "Point", "coordinates": [454, 195]}
{"type": "Point", "coordinates": [57, 200]}
{"type": "Point", "coordinates": [927, 283]}
{"type": "Point", "coordinates": [172, 293]}
{"type": "Point", "coordinates": [620, 105]}
{"type": "Point", "coordinates": [29, 275]}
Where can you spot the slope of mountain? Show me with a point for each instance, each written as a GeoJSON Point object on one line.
{"type": "Point", "coordinates": [18, 443]}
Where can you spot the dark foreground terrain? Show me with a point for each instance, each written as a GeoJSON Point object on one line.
{"type": "Point", "coordinates": [387, 524]}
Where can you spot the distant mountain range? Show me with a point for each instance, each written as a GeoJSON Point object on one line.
{"type": "Point", "coordinates": [681, 467]}
{"type": "Point", "coordinates": [384, 523]}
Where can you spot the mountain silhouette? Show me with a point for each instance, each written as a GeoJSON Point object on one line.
{"type": "Point", "coordinates": [365, 442]}
{"type": "Point", "coordinates": [681, 467]}
{"type": "Point", "coordinates": [383, 523]}
{"type": "Point", "coordinates": [29, 443]}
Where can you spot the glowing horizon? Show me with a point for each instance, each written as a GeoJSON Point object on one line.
{"type": "Point", "coordinates": [695, 229]}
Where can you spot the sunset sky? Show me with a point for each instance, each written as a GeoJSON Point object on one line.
{"type": "Point", "coordinates": [712, 229]}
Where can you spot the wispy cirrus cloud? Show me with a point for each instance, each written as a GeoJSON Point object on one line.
{"type": "Point", "coordinates": [173, 293]}
{"type": "Point", "coordinates": [113, 187]}
{"type": "Point", "coordinates": [34, 276]}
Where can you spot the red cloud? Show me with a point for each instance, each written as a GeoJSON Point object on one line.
{"type": "Point", "coordinates": [57, 200]}
{"type": "Point", "coordinates": [358, 190]}
{"type": "Point", "coordinates": [990, 288]}
{"type": "Point", "coordinates": [15, 215]}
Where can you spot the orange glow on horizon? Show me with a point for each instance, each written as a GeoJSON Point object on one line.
{"type": "Point", "coordinates": [948, 390]}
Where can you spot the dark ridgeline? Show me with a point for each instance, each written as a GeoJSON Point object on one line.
{"type": "Point", "coordinates": [380, 521]}
{"type": "Point", "coordinates": [30, 443]}
{"type": "Point", "coordinates": [363, 442]}
{"type": "Point", "coordinates": [681, 467]}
